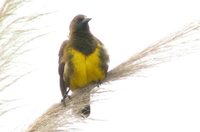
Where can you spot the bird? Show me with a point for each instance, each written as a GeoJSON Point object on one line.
{"type": "Point", "coordinates": [83, 60]}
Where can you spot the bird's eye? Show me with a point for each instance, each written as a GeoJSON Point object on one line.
{"type": "Point", "coordinates": [79, 20]}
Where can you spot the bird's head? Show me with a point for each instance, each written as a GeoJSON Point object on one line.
{"type": "Point", "coordinates": [80, 24]}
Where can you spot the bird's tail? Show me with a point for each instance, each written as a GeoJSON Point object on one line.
{"type": "Point", "coordinates": [85, 111]}
{"type": "Point", "coordinates": [83, 104]}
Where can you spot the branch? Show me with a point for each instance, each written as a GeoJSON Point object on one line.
{"type": "Point", "coordinates": [14, 39]}
{"type": "Point", "coordinates": [183, 42]}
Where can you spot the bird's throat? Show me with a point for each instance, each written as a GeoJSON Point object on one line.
{"type": "Point", "coordinates": [84, 43]}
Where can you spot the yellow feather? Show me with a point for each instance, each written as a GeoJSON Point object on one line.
{"type": "Point", "coordinates": [86, 69]}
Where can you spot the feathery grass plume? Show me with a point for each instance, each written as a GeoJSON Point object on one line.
{"type": "Point", "coordinates": [183, 42]}
{"type": "Point", "coordinates": [15, 34]}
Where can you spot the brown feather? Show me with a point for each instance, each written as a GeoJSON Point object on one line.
{"type": "Point", "coordinates": [63, 84]}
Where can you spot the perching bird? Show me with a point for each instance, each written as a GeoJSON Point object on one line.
{"type": "Point", "coordinates": [82, 59]}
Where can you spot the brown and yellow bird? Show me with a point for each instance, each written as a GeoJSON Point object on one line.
{"type": "Point", "coordinates": [83, 59]}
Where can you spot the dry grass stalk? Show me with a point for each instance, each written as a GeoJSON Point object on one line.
{"type": "Point", "coordinates": [14, 38]}
{"type": "Point", "coordinates": [59, 118]}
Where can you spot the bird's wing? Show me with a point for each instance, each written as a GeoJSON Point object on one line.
{"type": "Point", "coordinates": [63, 85]}
{"type": "Point", "coordinates": [103, 56]}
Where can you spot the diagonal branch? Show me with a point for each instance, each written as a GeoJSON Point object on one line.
{"type": "Point", "coordinates": [183, 42]}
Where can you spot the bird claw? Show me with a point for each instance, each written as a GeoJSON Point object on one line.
{"type": "Point", "coordinates": [63, 102]}
{"type": "Point", "coordinates": [64, 97]}
{"type": "Point", "coordinates": [99, 83]}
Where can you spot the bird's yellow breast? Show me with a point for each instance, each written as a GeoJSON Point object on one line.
{"type": "Point", "coordinates": [86, 69]}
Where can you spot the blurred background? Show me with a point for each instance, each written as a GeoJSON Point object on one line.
{"type": "Point", "coordinates": [164, 98]}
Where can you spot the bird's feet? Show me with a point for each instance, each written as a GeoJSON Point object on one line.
{"type": "Point", "coordinates": [99, 83]}
{"type": "Point", "coordinates": [63, 99]}
{"type": "Point", "coordinates": [63, 102]}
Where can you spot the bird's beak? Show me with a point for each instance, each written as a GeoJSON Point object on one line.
{"type": "Point", "coordinates": [86, 20]}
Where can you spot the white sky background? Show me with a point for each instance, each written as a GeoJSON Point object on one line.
{"type": "Point", "coordinates": [166, 99]}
